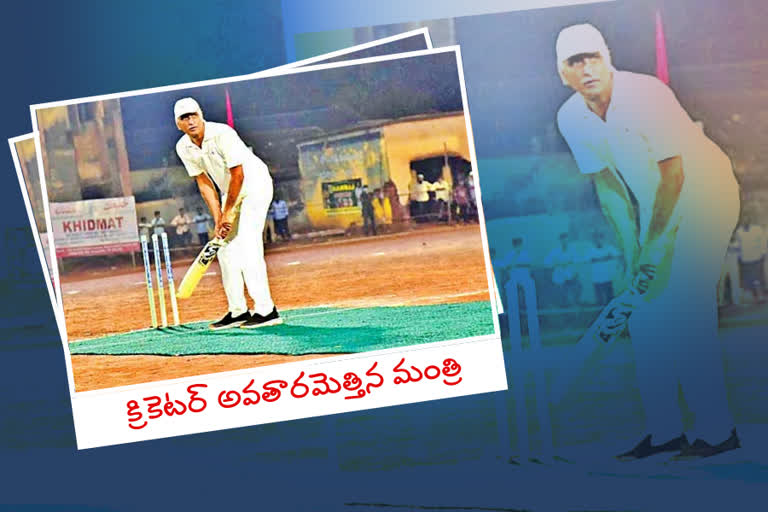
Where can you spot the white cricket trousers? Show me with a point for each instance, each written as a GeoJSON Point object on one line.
{"type": "Point", "coordinates": [242, 259]}
{"type": "Point", "coordinates": [674, 336]}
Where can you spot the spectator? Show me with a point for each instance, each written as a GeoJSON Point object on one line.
{"type": "Point", "coordinates": [269, 229]}
{"type": "Point", "coordinates": [603, 258]}
{"type": "Point", "coordinates": [412, 203]}
{"type": "Point", "coordinates": [382, 208]}
{"type": "Point", "coordinates": [144, 227]}
{"type": "Point", "coordinates": [158, 224]}
{"type": "Point", "coordinates": [421, 196]}
{"type": "Point", "coordinates": [202, 223]}
{"type": "Point", "coordinates": [461, 200]}
{"type": "Point", "coordinates": [391, 193]}
{"type": "Point", "coordinates": [563, 260]}
{"type": "Point", "coordinates": [281, 217]}
{"type": "Point", "coordinates": [366, 204]}
{"type": "Point", "coordinates": [443, 197]}
{"type": "Point", "coordinates": [515, 261]}
{"type": "Point", "coordinates": [729, 285]}
{"type": "Point", "coordinates": [753, 243]}
{"type": "Point", "coordinates": [181, 222]}
{"type": "Point", "coordinates": [472, 198]}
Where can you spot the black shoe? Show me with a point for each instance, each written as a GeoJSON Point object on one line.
{"type": "Point", "coordinates": [701, 448]}
{"type": "Point", "coordinates": [257, 320]}
{"type": "Point", "coordinates": [230, 321]}
{"type": "Point", "coordinates": [645, 449]}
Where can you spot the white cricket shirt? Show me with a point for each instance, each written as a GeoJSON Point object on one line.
{"type": "Point", "coordinates": [222, 149]}
{"type": "Point", "coordinates": [643, 125]}
{"type": "Point", "coordinates": [421, 191]}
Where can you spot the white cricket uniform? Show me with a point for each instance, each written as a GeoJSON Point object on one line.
{"type": "Point", "coordinates": [604, 262]}
{"type": "Point", "coordinates": [421, 191]}
{"type": "Point", "coordinates": [242, 259]}
{"type": "Point", "coordinates": [674, 335]}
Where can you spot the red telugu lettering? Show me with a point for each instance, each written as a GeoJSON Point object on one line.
{"type": "Point", "coordinates": [324, 381]}
{"type": "Point", "coordinates": [170, 406]}
{"type": "Point", "coordinates": [297, 384]}
{"type": "Point", "coordinates": [194, 398]}
{"type": "Point", "coordinates": [408, 378]}
{"type": "Point", "coordinates": [351, 383]}
{"type": "Point", "coordinates": [436, 373]}
{"type": "Point", "coordinates": [134, 415]}
{"type": "Point", "coordinates": [371, 373]}
{"type": "Point", "coordinates": [451, 369]}
{"type": "Point", "coordinates": [229, 399]}
{"type": "Point", "coordinates": [272, 394]}
{"type": "Point", "coordinates": [247, 390]}
{"type": "Point", "coordinates": [154, 402]}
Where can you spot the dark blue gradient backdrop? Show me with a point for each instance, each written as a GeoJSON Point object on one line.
{"type": "Point", "coordinates": [448, 454]}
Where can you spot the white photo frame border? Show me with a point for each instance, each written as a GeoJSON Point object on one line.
{"type": "Point", "coordinates": [485, 355]}
{"type": "Point", "coordinates": [23, 185]}
{"type": "Point", "coordinates": [53, 276]}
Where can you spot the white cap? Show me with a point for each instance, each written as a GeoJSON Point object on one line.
{"type": "Point", "coordinates": [578, 39]}
{"type": "Point", "coordinates": [186, 106]}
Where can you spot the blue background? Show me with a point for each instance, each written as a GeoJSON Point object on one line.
{"type": "Point", "coordinates": [59, 51]}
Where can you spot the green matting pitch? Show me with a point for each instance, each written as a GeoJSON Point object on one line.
{"type": "Point", "coordinates": [308, 331]}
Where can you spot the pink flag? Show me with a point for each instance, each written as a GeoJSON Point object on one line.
{"type": "Point", "coordinates": [662, 72]}
{"type": "Point", "coordinates": [230, 117]}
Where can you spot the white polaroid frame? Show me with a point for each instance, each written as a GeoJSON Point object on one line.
{"type": "Point", "coordinates": [53, 277]}
{"type": "Point", "coordinates": [57, 310]}
{"type": "Point", "coordinates": [189, 405]}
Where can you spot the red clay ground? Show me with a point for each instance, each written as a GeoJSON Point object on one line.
{"type": "Point", "coordinates": [433, 266]}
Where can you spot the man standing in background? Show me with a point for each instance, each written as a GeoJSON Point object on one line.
{"type": "Point", "coordinates": [603, 258]}
{"type": "Point", "coordinates": [158, 224]}
{"type": "Point", "coordinates": [181, 222]}
{"type": "Point", "coordinates": [461, 200]}
{"type": "Point", "coordinates": [366, 206]}
{"type": "Point", "coordinates": [144, 227]}
{"type": "Point", "coordinates": [280, 209]}
{"type": "Point", "coordinates": [753, 244]}
{"type": "Point", "coordinates": [421, 195]}
{"type": "Point", "coordinates": [671, 196]}
{"type": "Point", "coordinates": [443, 197]}
{"type": "Point", "coordinates": [202, 223]}
{"type": "Point", "coordinates": [563, 259]}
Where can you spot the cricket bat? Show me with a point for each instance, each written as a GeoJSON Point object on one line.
{"type": "Point", "coordinates": [198, 268]}
{"type": "Point", "coordinates": [613, 319]}
{"type": "Point", "coordinates": [205, 258]}
{"type": "Point", "coordinates": [607, 327]}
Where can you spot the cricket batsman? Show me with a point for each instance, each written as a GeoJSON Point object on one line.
{"type": "Point", "coordinates": [671, 196]}
{"type": "Point", "coordinates": [216, 157]}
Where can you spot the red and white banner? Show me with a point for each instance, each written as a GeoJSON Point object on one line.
{"type": "Point", "coordinates": [95, 227]}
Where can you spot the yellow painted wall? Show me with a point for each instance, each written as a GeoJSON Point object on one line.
{"type": "Point", "coordinates": [26, 150]}
{"type": "Point", "coordinates": [355, 157]}
{"type": "Point", "coordinates": [400, 144]}
{"type": "Point", "coordinates": [419, 139]}
{"type": "Point", "coordinates": [49, 117]}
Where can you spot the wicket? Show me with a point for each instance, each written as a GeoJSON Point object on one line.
{"type": "Point", "coordinates": [156, 247]}
{"type": "Point", "coordinates": [518, 358]}
{"type": "Point", "coordinates": [148, 279]}
{"type": "Point", "coordinates": [169, 276]}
